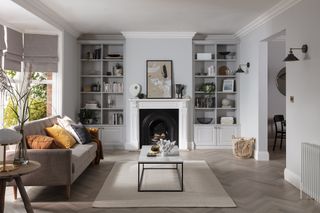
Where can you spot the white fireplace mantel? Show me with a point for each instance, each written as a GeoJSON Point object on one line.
{"type": "Point", "coordinates": [181, 104]}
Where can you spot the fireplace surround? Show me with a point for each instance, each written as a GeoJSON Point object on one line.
{"type": "Point", "coordinates": [181, 105]}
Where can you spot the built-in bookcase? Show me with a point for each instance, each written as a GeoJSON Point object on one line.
{"type": "Point", "coordinates": [217, 63]}
{"type": "Point", "coordinates": [102, 77]}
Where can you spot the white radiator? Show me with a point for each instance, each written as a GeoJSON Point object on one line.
{"type": "Point", "coordinates": [310, 170]}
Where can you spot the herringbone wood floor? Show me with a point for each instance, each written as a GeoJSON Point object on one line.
{"type": "Point", "coordinates": [254, 186]}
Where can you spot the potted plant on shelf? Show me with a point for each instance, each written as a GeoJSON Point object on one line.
{"type": "Point", "coordinates": [86, 116]}
{"type": "Point", "coordinates": [19, 95]}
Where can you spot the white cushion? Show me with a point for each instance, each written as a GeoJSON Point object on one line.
{"type": "Point", "coordinates": [65, 123]}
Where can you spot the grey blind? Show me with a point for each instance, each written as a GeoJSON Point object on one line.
{"type": "Point", "coordinates": [2, 42]}
{"type": "Point", "coordinates": [13, 56]}
{"type": "Point", "coordinates": [41, 51]}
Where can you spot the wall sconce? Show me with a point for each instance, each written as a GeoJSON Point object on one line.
{"type": "Point", "coordinates": [240, 70]}
{"type": "Point", "coordinates": [292, 57]}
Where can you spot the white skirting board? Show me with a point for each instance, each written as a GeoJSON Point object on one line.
{"type": "Point", "coordinates": [292, 178]}
{"type": "Point", "coordinates": [261, 155]}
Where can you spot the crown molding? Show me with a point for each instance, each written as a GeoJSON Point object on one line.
{"type": "Point", "coordinates": [45, 13]}
{"type": "Point", "coordinates": [101, 37]}
{"type": "Point", "coordinates": [211, 38]}
{"type": "Point", "coordinates": [267, 16]}
{"type": "Point", "coordinates": [160, 35]}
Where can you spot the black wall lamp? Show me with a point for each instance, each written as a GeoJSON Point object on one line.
{"type": "Point", "coordinates": [240, 70]}
{"type": "Point", "coordinates": [292, 57]}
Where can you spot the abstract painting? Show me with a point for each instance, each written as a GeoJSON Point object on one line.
{"type": "Point", "coordinates": [159, 79]}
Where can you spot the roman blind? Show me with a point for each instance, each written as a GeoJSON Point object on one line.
{"type": "Point", "coordinates": [41, 52]}
{"type": "Point", "coordinates": [2, 42]}
{"type": "Point", "coordinates": [13, 55]}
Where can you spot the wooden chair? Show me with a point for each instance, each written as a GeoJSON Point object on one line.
{"type": "Point", "coordinates": [280, 125]}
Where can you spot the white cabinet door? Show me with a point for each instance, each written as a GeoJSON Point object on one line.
{"type": "Point", "coordinates": [111, 137]}
{"type": "Point", "coordinates": [224, 135]}
{"type": "Point", "coordinates": [204, 135]}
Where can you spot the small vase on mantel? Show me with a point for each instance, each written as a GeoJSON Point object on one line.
{"type": "Point", "coordinates": [21, 156]}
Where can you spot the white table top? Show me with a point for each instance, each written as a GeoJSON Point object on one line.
{"type": "Point", "coordinates": [143, 158]}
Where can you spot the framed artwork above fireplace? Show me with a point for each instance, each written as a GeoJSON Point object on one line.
{"type": "Point", "coordinates": [159, 79]}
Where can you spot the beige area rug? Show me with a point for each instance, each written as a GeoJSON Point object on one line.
{"type": "Point", "coordinates": [201, 188]}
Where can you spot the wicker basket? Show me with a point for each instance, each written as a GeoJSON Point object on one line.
{"type": "Point", "coordinates": [243, 147]}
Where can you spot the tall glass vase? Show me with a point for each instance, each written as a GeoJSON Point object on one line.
{"type": "Point", "coordinates": [21, 155]}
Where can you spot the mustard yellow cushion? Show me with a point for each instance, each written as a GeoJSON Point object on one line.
{"type": "Point", "coordinates": [61, 136]}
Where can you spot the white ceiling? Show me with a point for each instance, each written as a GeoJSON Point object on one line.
{"type": "Point", "coordinates": [202, 16]}
{"type": "Point", "coordinates": [22, 20]}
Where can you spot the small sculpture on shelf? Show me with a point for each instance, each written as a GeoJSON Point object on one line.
{"type": "Point", "coordinates": [226, 103]}
{"type": "Point", "coordinates": [179, 90]}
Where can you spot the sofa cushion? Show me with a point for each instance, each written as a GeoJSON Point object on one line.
{"type": "Point", "coordinates": [82, 133]}
{"type": "Point", "coordinates": [66, 122]}
{"type": "Point", "coordinates": [61, 136]}
{"type": "Point", "coordinates": [41, 142]}
{"type": "Point", "coordinates": [82, 156]}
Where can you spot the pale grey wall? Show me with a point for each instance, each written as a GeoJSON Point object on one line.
{"type": "Point", "coordinates": [70, 76]}
{"type": "Point", "coordinates": [276, 101]}
{"type": "Point", "coordinates": [138, 50]}
{"type": "Point", "coordinates": [301, 24]}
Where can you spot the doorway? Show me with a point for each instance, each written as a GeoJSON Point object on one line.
{"type": "Point", "coordinates": [276, 95]}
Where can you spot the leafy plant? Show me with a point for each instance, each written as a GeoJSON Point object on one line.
{"type": "Point", "coordinates": [85, 115]}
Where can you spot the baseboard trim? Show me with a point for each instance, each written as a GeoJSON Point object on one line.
{"type": "Point", "coordinates": [261, 155]}
{"type": "Point", "coordinates": [292, 178]}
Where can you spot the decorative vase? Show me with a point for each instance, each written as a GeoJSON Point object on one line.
{"type": "Point", "coordinates": [21, 156]}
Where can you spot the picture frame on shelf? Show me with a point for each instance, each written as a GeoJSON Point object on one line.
{"type": "Point", "coordinates": [159, 79]}
{"type": "Point", "coordinates": [228, 85]}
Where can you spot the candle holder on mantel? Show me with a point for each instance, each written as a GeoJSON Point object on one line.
{"type": "Point", "coordinates": [8, 137]}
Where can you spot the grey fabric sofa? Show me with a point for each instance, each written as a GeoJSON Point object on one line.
{"type": "Point", "coordinates": [59, 167]}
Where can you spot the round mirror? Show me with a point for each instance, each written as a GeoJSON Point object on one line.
{"type": "Point", "coordinates": [281, 81]}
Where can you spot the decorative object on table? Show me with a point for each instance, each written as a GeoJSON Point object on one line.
{"type": "Point", "coordinates": [226, 103]}
{"type": "Point", "coordinates": [204, 120]}
{"type": "Point", "coordinates": [204, 56]}
{"type": "Point", "coordinates": [135, 89]}
{"type": "Point", "coordinates": [243, 147]}
{"type": "Point", "coordinates": [224, 54]}
{"type": "Point", "coordinates": [211, 71]}
{"type": "Point", "coordinates": [281, 81]}
{"type": "Point", "coordinates": [228, 85]}
{"type": "Point", "coordinates": [159, 79]}
{"type": "Point", "coordinates": [224, 70]}
{"type": "Point", "coordinates": [155, 148]}
{"type": "Point", "coordinates": [227, 120]}
{"type": "Point", "coordinates": [86, 116]}
{"type": "Point", "coordinates": [208, 87]}
{"type": "Point", "coordinates": [19, 94]}
{"type": "Point", "coordinates": [292, 57]}
{"type": "Point", "coordinates": [243, 68]}
{"type": "Point", "coordinates": [8, 137]}
{"type": "Point", "coordinates": [179, 90]}
{"type": "Point", "coordinates": [166, 145]}
{"type": "Point", "coordinates": [118, 70]}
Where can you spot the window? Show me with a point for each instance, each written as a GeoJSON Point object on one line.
{"type": "Point", "coordinates": [41, 100]}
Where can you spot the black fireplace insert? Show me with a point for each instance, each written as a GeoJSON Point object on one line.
{"type": "Point", "coordinates": [156, 124]}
